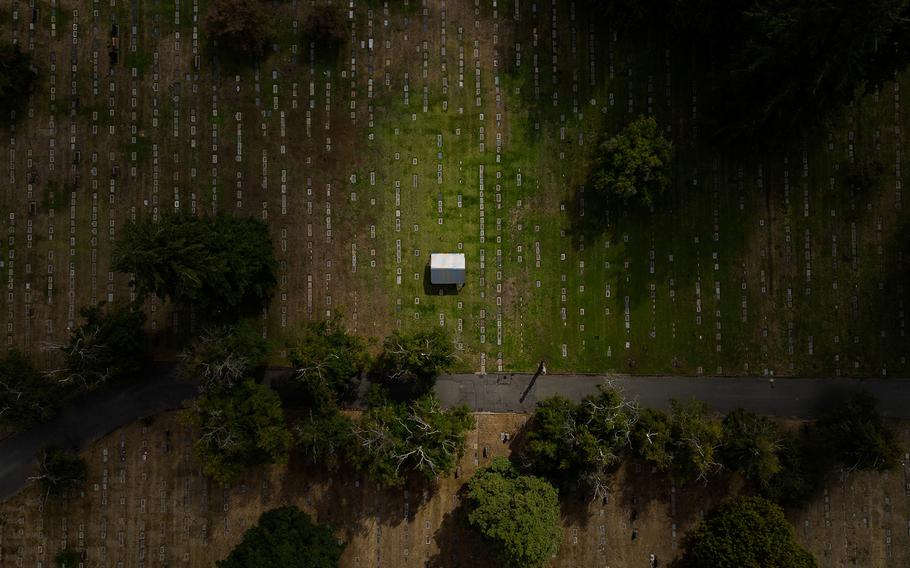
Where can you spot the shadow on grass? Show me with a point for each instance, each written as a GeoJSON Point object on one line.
{"type": "Point", "coordinates": [431, 289]}
{"type": "Point", "coordinates": [459, 545]}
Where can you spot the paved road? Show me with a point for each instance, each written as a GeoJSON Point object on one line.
{"type": "Point", "coordinates": [90, 418]}
{"type": "Point", "coordinates": [105, 411]}
{"type": "Point", "coordinates": [787, 398]}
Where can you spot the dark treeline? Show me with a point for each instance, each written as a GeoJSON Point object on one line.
{"type": "Point", "coordinates": [774, 68]}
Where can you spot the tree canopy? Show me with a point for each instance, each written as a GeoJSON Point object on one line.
{"type": "Point", "coordinates": [395, 439]}
{"type": "Point", "coordinates": [804, 461]}
{"type": "Point", "coordinates": [517, 514]}
{"type": "Point", "coordinates": [778, 67]}
{"type": "Point", "coordinates": [748, 532]}
{"type": "Point", "coordinates": [329, 360]}
{"type": "Point", "coordinates": [651, 439]}
{"type": "Point", "coordinates": [695, 438]}
{"type": "Point", "coordinates": [858, 435]}
{"type": "Point", "coordinates": [222, 356]}
{"type": "Point", "coordinates": [219, 264]}
{"type": "Point", "coordinates": [27, 396]}
{"type": "Point", "coordinates": [410, 362]}
{"type": "Point", "coordinates": [685, 442]}
{"type": "Point", "coordinates": [633, 165]}
{"type": "Point", "coordinates": [60, 471]}
{"type": "Point", "coordinates": [285, 538]}
{"type": "Point", "coordinates": [240, 428]}
{"type": "Point", "coordinates": [16, 79]}
{"type": "Point", "coordinates": [111, 344]}
{"type": "Point", "coordinates": [579, 444]}
{"type": "Point", "coordinates": [750, 446]}
{"type": "Point", "coordinates": [239, 28]}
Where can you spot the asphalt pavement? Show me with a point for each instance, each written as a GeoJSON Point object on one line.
{"type": "Point", "coordinates": [99, 413]}
{"type": "Point", "coordinates": [782, 397]}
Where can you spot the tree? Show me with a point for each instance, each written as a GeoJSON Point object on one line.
{"type": "Point", "coordinates": [651, 439]}
{"type": "Point", "coordinates": [579, 444]}
{"type": "Point", "coordinates": [218, 264]}
{"type": "Point", "coordinates": [59, 471]}
{"type": "Point", "coordinates": [634, 165]}
{"type": "Point", "coordinates": [748, 532]}
{"type": "Point", "coordinates": [16, 79]}
{"type": "Point", "coordinates": [110, 345]}
{"type": "Point", "coordinates": [329, 358]}
{"type": "Point", "coordinates": [790, 63]}
{"type": "Point", "coordinates": [239, 28]}
{"type": "Point", "coordinates": [223, 356]}
{"type": "Point", "coordinates": [285, 538]}
{"type": "Point", "coordinates": [750, 445]}
{"type": "Point", "coordinates": [517, 514]}
{"type": "Point", "coordinates": [858, 436]}
{"type": "Point", "coordinates": [324, 436]}
{"type": "Point", "coordinates": [394, 439]}
{"type": "Point", "coordinates": [695, 438]}
{"type": "Point", "coordinates": [804, 461]}
{"type": "Point", "coordinates": [27, 396]}
{"type": "Point", "coordinates": [240, 428]}
{"type": "Point", "coordinates": [410, 362]}
{"type": "Point", "coordinates": [325, 29]}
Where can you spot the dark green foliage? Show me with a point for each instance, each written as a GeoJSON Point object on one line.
{"type": "Point", "coordinates": [634, 165]}
{"type": "Point", "coordinates": [110, 345]}
{"type": "Point", "coordinates": [795, 61]}
{"type": "Point", "coordinates": [651, 439]}
{"type": "Point", "coordinates": [804, 461]}
{"type": "Point", "coordinates": [747, 532]}
{"type": "Point", "coordinates": [68, 558]}
{"type": "Point", "coordinates": [410, 362]}
{"type": "Point", "coordinates": [858, 436]}
{"type": "Point", "coordinates": [579, 444]}
{"type": "Point", "coordinates": [219, 264]}
{"type": "Point", "coordinates": [285, 538]}
{"type": "Point", "coordinates": [221, 357]}
{"type": "Point", "coordinates": [16, 80]}
{"type": "Point", "coordinates": [396, 439]}
{"type": "Point", "coordinates": [59, 471]}
{"type": "Point", "coordinates": [27, 396]}
{"type": "Point", "coordinates": [750, 446]}
{"type": "Point", "coordinates": [779, 67]}
{"type": "Point", "coordinates": [695, 438]}
{"type": "Point", "coordinates": [240, 428]}
{"type": "Point", "coordinates": [326, 30]}
{"type": "Point", "coordinates": [325, 436]}
{"type": "Point", "coordinates": [517, 514]}
{"type": "Point", "coordinates": [685, 442]}
{"type": "Point", "coordinates": [330, 360]}
{"type": "Point", "coordinates": [238, 28]}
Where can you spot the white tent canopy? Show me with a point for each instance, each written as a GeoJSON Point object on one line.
{"type": "Point", "coordinates": [447, 268]}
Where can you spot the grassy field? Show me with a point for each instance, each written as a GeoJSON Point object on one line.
{"type": "Point", "coordinates": [466, 127]}
{"type": "Point", "coordinates": [147, 503]}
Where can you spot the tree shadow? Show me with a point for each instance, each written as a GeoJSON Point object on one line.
{"type": "Point", "coordinates": [458, 545]}
{"type": "Point", "coordinates": [351, 502]}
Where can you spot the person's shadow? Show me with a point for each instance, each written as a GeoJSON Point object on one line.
{"type": "Point", "coordinates": [541, 369]}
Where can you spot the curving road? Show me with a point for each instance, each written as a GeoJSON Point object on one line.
{"type": "Point", "coordinates": [99, 413]}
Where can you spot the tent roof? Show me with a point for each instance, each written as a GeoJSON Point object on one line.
{"type": "Point", "coordinates": [451, 261]}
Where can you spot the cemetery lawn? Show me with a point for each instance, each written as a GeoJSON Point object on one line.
{"type": "Point", "coordinates": [474, 140]}
{"type": "Point", "coordinates": [147, 502]}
